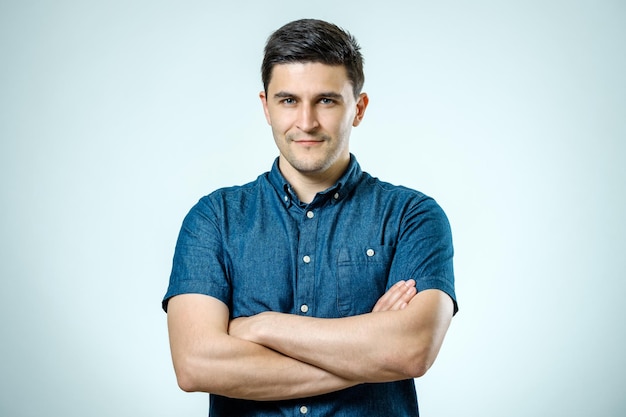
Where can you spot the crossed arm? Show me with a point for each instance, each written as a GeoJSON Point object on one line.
{"type": "Point", "coordinates": [275, 356]}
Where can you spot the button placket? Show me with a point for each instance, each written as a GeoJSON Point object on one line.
{"type": "Point", "coordinates": [305, 279]}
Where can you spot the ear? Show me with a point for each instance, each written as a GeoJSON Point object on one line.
{"type": "Point", "coordinates": [263, 98]}
{"type": "Point", "coordinates": [361, 105]}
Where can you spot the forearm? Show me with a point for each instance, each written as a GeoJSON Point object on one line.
{"type": "Point", "coordinates": [375, 347]}
{"type": "Point", "coordinates": [358, 348]}
{"type": "Point", "coordinates": [245, 370]}
{"type": "Point", "coordinates": [207, 359]}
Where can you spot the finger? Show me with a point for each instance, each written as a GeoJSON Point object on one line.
{"type": "Point", "coordinates": [408, 295]}
{"type": "Point", "coordinates": [404, 300]}
{"type": "Point", "coordinates": [396, 297]}
{"type": "Point", "coordinates": [390, 297]}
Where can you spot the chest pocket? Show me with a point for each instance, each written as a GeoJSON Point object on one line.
{"type": "Point", "coordinates": [362, 278]}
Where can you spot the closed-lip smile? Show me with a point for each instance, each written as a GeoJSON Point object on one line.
{"type": "Point", "coordinates": [306, 141]}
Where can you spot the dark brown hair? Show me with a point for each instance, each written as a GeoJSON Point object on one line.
{"type": "Point", "coordinates": [311, 40]}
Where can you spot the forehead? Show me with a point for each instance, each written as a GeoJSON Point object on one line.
{"type": "Point", "coordinates": [309, 77]}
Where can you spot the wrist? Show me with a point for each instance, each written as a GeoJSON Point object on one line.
{"type": "Point", "coordinates": [261, 327]}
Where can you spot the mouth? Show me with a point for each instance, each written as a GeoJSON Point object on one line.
{"type": "Point", "coordinates": [308, 141]}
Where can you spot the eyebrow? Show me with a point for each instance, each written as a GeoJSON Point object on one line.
{"type": "Point", "coordinates": [329, 94]}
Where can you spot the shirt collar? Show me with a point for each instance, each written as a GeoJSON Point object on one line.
{"type": "Point", "coordinates": [336, 193]}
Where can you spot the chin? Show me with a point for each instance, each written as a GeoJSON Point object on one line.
{"type": "Point", "coordinates": [310, 167]}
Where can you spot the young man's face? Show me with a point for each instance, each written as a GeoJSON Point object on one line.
{"type": "Point", "coordinates": [312, 109]}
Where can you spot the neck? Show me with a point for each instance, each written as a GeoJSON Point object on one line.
{"type": "Point", "coordinates": [307, 184]}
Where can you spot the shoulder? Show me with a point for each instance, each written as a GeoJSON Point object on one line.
{"type": "Point", "coordinates": [235, 193]}
{"type": "Point", "coordinates": [407, 195]}
{"type": "Point", "coordinates": [224, 202]}
{"type": "Point", "coordinates": [410, 205]}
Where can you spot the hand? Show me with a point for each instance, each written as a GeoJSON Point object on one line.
{"type": "Point", "coordinates": [397, 297]}
{"type": "Point", "coordinates": [237, 327]}
{"type": "Point", "coordinates": [242, 327]}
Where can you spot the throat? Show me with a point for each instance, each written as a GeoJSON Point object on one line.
{"type": "Point", "coordinates": [307, 184]}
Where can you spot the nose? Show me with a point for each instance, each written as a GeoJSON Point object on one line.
{"type": "Point", "coordinates": [307, 118]}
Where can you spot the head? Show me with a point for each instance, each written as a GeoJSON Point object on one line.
{"type": "Point", "coordinates": [312, 76]}
{"type": "Point", "coordinates": [314, 41]}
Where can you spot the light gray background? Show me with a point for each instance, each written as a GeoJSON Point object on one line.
{"type": "Point", "coordinates": [116, 116]}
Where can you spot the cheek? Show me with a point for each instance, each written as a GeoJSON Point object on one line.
{"type": "Point", "coordinates": [276, 134]}
{"type": "Point", "coordinates": [279, 121]}
{"type": "Point", "coordinates": [346, 125]}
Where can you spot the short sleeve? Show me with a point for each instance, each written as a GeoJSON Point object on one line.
{"type": "Point", "coordinates": [424, 250]}
{"type": "Point", "coordinates": [198, 266]}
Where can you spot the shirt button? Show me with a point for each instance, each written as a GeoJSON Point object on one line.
{"type": "Point", "coordinates": [286, 198]}
{"type": "Point", "coordinates": [370, 252]}
{"type": "Point", "coordinates": [336, 196]}
{"type": "Point", "coordinates": [306, 259]}
{"type": "Point", "coordinates": [310, 214]}
{"type": "Point", "coordinates": [304, 308]}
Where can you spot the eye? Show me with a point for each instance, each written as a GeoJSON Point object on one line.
{"type": "Point", "coordinates": [288, 101]}
{"type": "Point", "coordinates": [326, 100]}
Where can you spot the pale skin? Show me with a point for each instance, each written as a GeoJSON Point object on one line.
{"type": "Point", "coordinates": [311, 109]}
{"type": "Point", "coordinates": [209, 358]}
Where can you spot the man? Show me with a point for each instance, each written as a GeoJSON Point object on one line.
{"type": "Point", "coordinates": [316, 289]}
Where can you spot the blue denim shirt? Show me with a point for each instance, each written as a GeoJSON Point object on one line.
{"type": "Point", "coordinates": [257, 248]}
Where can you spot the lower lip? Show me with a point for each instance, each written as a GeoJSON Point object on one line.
{"type": "Point", "coordinates": [308, 143]}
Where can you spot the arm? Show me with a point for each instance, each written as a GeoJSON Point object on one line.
{"type": "Point", "coordinates": [384, 345]}
{"type": "Point", "coordinates": [207, 359]}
